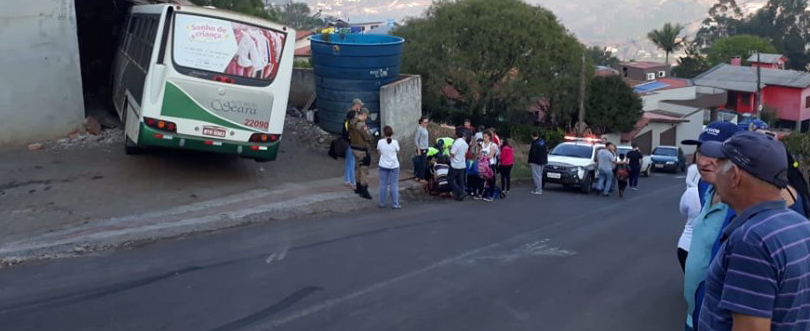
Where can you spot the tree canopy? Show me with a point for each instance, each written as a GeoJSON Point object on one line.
{"type": "Point", "coordinates": [299, 16]}
{"type": "Point", "coordinates": [785, 23]}
{"type": "Point", "coordinates": [601, 56]}
{"type": "Point", "coordinates": [740, 45]}
{"type": "Point", "coordinates": [499, 55]}
{"type": "Point", "coordinates": [612, 105]}
{"type": "Point", "coordinates": [691, 64]}
{"type": "Point", "coordinates": [668, 38]}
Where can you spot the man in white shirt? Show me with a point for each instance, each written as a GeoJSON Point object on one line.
{"type": "Point", "coordinates": [458, 166]}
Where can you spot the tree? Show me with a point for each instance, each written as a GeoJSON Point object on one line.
{"type": "Point", "coordinates": [667, 39]}
{"type": "Point", "coordinates": [499, 55]}
{"type": "Point", "coordinates": [785, 23]}
{"type": "Point", "coordinates": [724, 18]}
{"type": "Point", "coordinates": [601, 56]}
{"type": "Point", "coordinates": [692, 64]}
{"type": "Point", "coordinates": [740, 45]}
{"type": "Point", "coordinates": [299, 16]}
{"type": "Point", "coordinates": [612, 105]}
{"type": "Point", "coordinates": [249, 7]}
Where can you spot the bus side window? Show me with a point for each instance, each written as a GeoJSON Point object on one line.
{"type": "Point", "coordinates": [150, 40]}
{"type": "Point", "coordinates": [143, 36]}
{"type": "Point", "coordinates": [133, 23]}
{"type": "Point", "coordinates": [135, 44]}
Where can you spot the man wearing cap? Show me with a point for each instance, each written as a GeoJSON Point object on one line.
{"type": "Point", "coordinates": [707, 225]}
{"type": "Point", "coordinates": [760, 278]}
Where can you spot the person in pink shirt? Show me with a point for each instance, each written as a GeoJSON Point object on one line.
{"type": "Point", "coordinates": [505, 167]}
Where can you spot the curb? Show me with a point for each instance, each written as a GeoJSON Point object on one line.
{"type": "Point", "coordinates": [233, 211]}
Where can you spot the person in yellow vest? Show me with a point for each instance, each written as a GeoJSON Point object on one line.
{"type": "Point", "coordinates": [360, 139]}
{"type": "Point", "coordinates": [444, 145]}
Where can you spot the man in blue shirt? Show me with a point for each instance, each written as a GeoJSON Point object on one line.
{"type": "Point", "coordinates": [760, 278]}
{"type": "Point", "coordinates": [708, 224]}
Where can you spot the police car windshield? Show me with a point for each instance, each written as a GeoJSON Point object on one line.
{"type": "Point", "coordinates": [570, 150]}
{"type": "Point", "coordinates": [665, 151]}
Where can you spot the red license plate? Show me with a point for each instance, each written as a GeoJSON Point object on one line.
{"type": "Point", "coordinates": [212, 131]}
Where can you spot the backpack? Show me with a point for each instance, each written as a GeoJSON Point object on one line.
{"type": "Point", "coordinates": [622, 173]}
{"type": "Point", "coordinates": [484, 169]}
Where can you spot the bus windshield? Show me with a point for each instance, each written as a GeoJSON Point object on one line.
{"type": "Point", "coordinates": [206, 47]}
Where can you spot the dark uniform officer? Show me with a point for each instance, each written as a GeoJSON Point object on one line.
{"type": "Point", "coordinates": [360, 139]}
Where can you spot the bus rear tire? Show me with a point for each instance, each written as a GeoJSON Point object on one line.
{"type": "Point", "coordinates": [130, 147]}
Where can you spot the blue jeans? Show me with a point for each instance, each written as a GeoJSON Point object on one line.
{"type": "Point", "coordinates": [389, 180]}
{"type": "Point", "coordinates": [348, 168]}
{"type": "Point", "coordinates": [605, 181]}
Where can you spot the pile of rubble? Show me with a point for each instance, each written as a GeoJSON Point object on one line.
{"type": "Point", "coordinates": [307, 133]}
{"type": "Point", "coordinates": [93, 135]}
{"type": "Point", "coordinates": [107, 137]}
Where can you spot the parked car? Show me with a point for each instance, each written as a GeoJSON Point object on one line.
{"type": "Point", "coordinates": [668, 158]}
{"type": "Point", "coordinates": [573, 164]}
{"type": "Point", "coordinates": [646, 161]}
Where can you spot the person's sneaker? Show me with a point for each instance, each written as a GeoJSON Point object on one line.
{"type": "Point", "coordinates": [634, 188]}
{"type": "Point", "coordinates": [476, 197]}
{"type": "Point", "coordinates": [537, 192]}
{"type": "Point", "coordinates": [396, 207]}
{"type": "Point", "coordinates": [488, 199]}
{"type": "Point", "coordinates": [381, 206]}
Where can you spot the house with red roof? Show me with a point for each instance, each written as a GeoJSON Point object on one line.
{"type": "Point", "coordinates": [302, 45]}
{"type": "Point", "coordinates": [644, 71]}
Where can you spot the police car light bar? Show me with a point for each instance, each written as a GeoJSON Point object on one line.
{"type": "Point", "coordinates": [590, 140]}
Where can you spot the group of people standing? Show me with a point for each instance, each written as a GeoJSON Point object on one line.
{"type": "Point", "coordinates": [745, 248]}
{"type": "Point", "coordinates": [475, 158]}
{"type": "Point", "coordinates": [621, 169]}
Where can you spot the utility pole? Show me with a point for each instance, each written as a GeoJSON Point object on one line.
{"type": "Point", "coordinates": [581, 127]}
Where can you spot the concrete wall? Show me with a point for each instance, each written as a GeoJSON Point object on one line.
{"type": "Point", "coordinates": [41, 85]}
{"type": "Point", "coordinates": [651, 101]}
{"type": "Point", "coordinates": [401, 107]}
{"type": "Point", "coordinates": [302, 86]}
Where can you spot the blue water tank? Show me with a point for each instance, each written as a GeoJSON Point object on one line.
{"type": "Point", "coordinates": [350, 66]}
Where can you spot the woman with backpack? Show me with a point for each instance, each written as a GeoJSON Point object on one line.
{"type": "Point", "coordinates": [389, 168]}
{"type": "Point", "coordinates": [486, 166]}
{"type": "Point", "coordinates": [505, 166]}
{"type": "Point", "coordinates": [622, 173]}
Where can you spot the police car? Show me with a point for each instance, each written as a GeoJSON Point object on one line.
{"type": "Point", "coordinates": [573, 163]}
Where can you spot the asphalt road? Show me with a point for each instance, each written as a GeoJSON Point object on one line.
{"type": "Point", "coordinates": [560, 261]}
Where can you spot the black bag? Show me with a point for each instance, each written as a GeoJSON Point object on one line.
{"type": "Point", "coordinates": [338, 148]}
{"type": "Point", "coordinates": [366, 160]}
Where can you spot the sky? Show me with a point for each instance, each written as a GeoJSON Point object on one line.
{"type": "Point", "coordinates": [593, 21]}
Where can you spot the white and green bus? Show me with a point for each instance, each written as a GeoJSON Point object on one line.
{"type": "Point", "coordinates": [203, 79]}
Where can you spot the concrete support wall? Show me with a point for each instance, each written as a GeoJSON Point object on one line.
{"type": "Point", "coordinates": [41, 87]}
{"type": "Point", "coordinates": [401, 107]}
{"type": "Point", "coordinates": [302, 87]}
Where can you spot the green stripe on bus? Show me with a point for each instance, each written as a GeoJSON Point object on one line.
{"type": "Point", "coordinates": [177, 103]}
